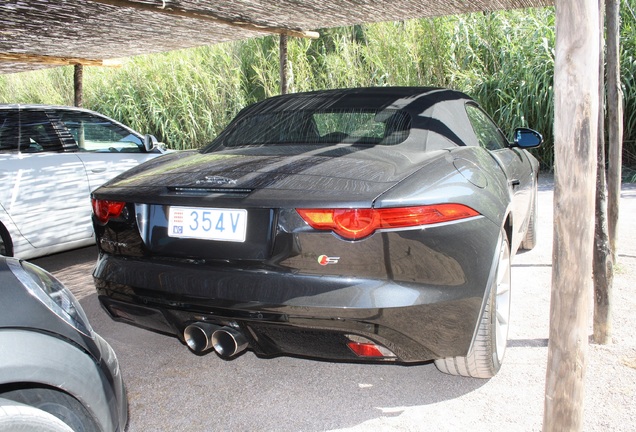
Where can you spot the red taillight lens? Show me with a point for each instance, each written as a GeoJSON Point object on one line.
{"type": "Point", "coordinates": [104, 209]}
{"type": "Point", "coordinates": [354, 224]}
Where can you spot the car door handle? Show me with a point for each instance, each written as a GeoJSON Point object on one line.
{"type": "Point", "coordinates": [98, 170]}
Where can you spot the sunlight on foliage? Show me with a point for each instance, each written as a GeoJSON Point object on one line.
{"type": "Point", "coordinates": [505, 60]}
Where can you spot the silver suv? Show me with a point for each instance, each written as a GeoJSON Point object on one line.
{"type": "Point", "coordinates": [51, 158]}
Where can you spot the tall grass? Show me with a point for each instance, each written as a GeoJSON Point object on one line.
{"type": "Point", "coordinates": [45, 86]}
{"type": "Point", "coordinates": [183, 97]}
{"type": "Point", "coordinates": [505, 60]}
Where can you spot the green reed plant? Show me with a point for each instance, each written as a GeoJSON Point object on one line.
{"type": "Point", "coordinates": [44, 86]}
{"type": "Point", "coordinates": [184, 97]}
{"type": "Point", "coordinates": [506, 61]}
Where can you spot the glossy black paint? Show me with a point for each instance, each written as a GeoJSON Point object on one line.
{"type": "Point", "coordinates": [419, 291]}
{"type": "Point", "coordinates": [388, 300]}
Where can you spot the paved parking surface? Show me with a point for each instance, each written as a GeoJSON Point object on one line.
{"type": "Point", "coordinates": [171, 389]}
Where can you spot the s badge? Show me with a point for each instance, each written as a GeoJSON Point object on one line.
{"type": "Point", "coordinates": [324, 260]}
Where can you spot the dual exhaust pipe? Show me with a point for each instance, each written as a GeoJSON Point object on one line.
{"type": "Point", "coordinates": [226, 341]}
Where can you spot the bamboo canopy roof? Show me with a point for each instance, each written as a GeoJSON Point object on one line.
{"type": "Point", "coordinates": [45, 33]}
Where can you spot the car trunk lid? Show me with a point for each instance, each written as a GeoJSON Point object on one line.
{"type": "Point", "coordinates": [211, 191]}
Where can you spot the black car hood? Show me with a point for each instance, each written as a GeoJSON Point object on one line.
{"type": "Point", "coordinates": [342, 173]}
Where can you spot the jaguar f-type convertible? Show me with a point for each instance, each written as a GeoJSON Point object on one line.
{"type": "Point", "coordinates": [369, 224]}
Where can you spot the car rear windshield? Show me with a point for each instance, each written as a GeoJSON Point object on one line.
{"type": "Point", "coordinates": [334, 126]}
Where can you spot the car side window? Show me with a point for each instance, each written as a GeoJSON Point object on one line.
{"type": "Point", "coordinates": [34, 133]}
{"type": "Point", "coordinates": [487, 132]}
{"type": "Point", "coordinates": [97, 134]}
{"type": "Point", "coordinates": [28, 131]}
{"type": "Point", "coordinates": [9, 124]}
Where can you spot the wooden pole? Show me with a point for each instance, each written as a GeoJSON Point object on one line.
{"type": "Point", "coordinates": [615, 121]}
{"type": "Point", "coordinates": [576, 81]}
{"type": "Point", "coordinates": [283, 64]}
{"type": "Point", "coordinates": [78, 84]}
{"type": "Point", "coordinates": [603, 269]}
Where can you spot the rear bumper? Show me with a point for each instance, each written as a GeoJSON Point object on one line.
{"type": "Point", "coordinates": [289, 313]}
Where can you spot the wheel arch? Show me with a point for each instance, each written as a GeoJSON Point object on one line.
{"type": "Point", "coordinates": [506, 230]}
{"type": "Point", "coordinates": [482, 359]}
{"type": "Point", "coordinates": [31, 360]}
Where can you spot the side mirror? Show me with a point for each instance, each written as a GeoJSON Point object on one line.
{"type": "Point", "coordinates": [150, 142]}
{"type": "Point", "coordinates": [527, 138]}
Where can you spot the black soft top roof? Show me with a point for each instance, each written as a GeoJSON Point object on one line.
{"type": "Point", "coordinates": [431, 110]}
{"type": "Point", "coordinates": [409, 98]}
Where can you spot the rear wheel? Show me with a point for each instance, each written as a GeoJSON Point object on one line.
{"type": "Point", "coordinates": [58, 404]}
{"type": "Point", "coordinates": [6, 247]}
{"type": "Point", "coordinates": [484, 360]}
{"type": "Point", "coordinates": [16, 417]}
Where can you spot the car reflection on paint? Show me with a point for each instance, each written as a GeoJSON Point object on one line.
{"type": "Point", "coordinates": [372, 224]}
{"type": "Point", "coordinates": [51, 158]}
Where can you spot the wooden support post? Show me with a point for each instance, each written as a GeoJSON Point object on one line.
{"type": "Point", "coordinates": [615, 121]}
{"type": "Point", "coordinates": [576, 81]}
{"type": "Point", "coordinates": [283, 64]}
{"type": "Point", "coordinates": [78, 77]}
{"type": "Point", "coordinates": [603, 270]}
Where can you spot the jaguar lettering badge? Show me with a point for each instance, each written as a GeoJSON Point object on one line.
{"type": "Point", "coordinates": [324, 260]}
{"type": "Point", "coordinates": [217, 180]}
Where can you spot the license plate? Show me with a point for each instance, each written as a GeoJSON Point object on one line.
{"type": "Point", "coordinates": [207, 223]}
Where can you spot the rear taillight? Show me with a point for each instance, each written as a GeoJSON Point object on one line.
{"type": "Point", "coordinates": [105, 209]}
{"type": "Point", "coordinates": [355, 224]}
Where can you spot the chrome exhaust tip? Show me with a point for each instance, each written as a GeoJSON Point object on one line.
{"type": "Point", "coordinates": [228, 342]}
{"type": "Point", "coordinates": [198, 336]}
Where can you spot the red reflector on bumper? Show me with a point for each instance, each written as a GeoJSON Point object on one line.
{"type": "Point", "coordinates": [365, 349]}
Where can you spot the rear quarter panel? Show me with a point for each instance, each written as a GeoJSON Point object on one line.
{"type": "Point", "coordinates": [465, 175]}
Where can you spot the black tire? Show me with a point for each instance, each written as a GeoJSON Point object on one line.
{"type": "Point", "coordinates": [484, 360]}
{"type": "Point", "coordinates": [59, 404]}
{"type": "Point", "coordinates": [6, 246]}
{"type": "Point", "coordinates": [17, 417]}
{"type": "Point", "coordinates": [530, 239]}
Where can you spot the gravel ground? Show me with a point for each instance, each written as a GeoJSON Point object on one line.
{"type": "Point", "coordinates": [171, 389]}
{"type": "Point", "coordinates": [513, 400]}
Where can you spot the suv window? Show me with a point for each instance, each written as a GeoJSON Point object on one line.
{"type": "Point", "coordinates": [28, 131]}
{"type": "Point", "coordinates": [98, 134]}
{"type": "Point", "coordinates": [9, 124]}
{"type": "Point", "coordinates": [488, 134]}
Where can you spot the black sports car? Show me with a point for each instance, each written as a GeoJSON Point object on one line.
{"type": "Point", "coordinates": [359, 224]}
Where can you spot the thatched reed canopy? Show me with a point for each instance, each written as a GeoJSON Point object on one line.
{"type": "Point", "coordinates": [45, 33]}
